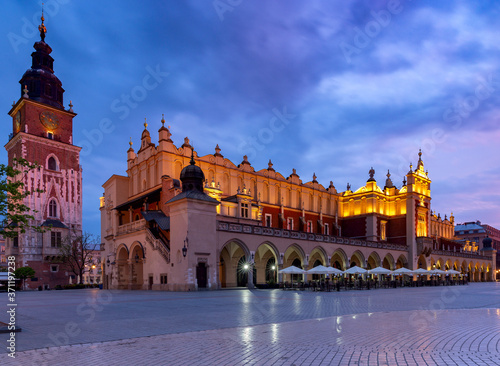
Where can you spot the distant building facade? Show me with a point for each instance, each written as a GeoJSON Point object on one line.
{"type": "Point", "coordinates": [42, 132]}
{"type": "Point", "coordinates": [93, 270]}
{"type": "Point", "coordinates": [473, 234]}
{"type": "Point", "coordinates": [179, 221]}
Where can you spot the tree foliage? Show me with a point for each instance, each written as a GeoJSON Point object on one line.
{"type": "Point", "coordinates": [23, 273]}
{"type": "Point", "coordinates": [16, 217]}
{"type": "Point", "coordinates": [76, 251]}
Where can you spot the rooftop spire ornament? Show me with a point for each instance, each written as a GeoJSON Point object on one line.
{"type": "Point", "coordinates": [42, 28]}
{"type": "Point", "coordinates": [192, 156]}
{"type": "Point", "coordinates": [145, 124]}
{"type": "Point", "coordinates": [162, 120]}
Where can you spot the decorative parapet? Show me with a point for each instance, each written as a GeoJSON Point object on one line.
{"type": "Point", "coordinates": [299, 235]}
{"type": "Point", "coordinates": [157, 244]}
{"type": "Point", "coordinates": [471, 255]}
{"type": "Point", "coordinates": [132, 227]}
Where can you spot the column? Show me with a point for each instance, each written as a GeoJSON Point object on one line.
{"type": "Point", "coordinates": [250, 276]}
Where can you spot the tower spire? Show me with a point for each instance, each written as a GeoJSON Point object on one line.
{"type": "Point", "coordinates": [42, 28]}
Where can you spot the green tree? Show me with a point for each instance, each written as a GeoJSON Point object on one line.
{"type": "Point", "coordinates": [23, 273]}
{"type": "Point", "coordinates": [76, 251]}
{"type": "Point", "coordinates": [15, 216]}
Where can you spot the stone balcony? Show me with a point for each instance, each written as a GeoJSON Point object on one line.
{"type": "Point", "coordinates": [131, 227]}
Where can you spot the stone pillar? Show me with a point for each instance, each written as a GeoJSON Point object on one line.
{"type": "Point", "coordinates": [371, 228]}
{"type": "Point", "coordinates": [130, 275]}
{"type": "Point", "coordinates": [250, 284]}
{"type": "Point", "coordinates": [304, 275]}
{"type": "Point", "coordinates": [280, 275]}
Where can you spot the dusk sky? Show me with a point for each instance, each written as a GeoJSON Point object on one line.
{"type": "Point", "coordinates": [356, 83]}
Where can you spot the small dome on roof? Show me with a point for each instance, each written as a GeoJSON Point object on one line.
{"type": "Point", "coordinates": [192, 176]}
{"type": "Point", "coordinates": [487, 243]}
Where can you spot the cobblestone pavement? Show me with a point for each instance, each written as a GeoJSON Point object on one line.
{"type": "Point", "coordinates": [457, 325]}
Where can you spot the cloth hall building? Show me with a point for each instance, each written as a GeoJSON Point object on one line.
{"type": "Point", "coordinates": [181, 221]}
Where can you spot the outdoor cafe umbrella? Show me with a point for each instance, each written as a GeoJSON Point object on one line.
{"type": "Point", "coordinates": [420, 271]}
{"type": "Point", "coordinates": [292, 270]}
{"type": "Point", "coordinates": [437, 272]}
{"type": "Point", "coordinates": [355, 270]}
{"type": "Point", "coordinates": [453, 272]}
{"type": "Point", "coordinates": [402, 271]}
{"type": "Point", "coordinates": [379, 270]}
{"type": "Point", "coordinates": [318, 270]}
{"type": "Point", "coordinates": [335, 271]}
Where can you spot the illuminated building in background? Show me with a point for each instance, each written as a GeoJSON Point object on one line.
{"type": "Point", "coordinates": [473, 234]}
{"type": "Point", "coordinates": [179, 221]}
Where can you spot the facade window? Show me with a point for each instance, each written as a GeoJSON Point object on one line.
{"type": "Point", "coordinates": [383, 232]}
{"type": "Point", "coordinates": [421, 226]}
{"type": "Point", "coordinates": [53, 208]}
{"type": "Point", "coordinates": [289, 224]}
{"type": "Point", "coordinates": [54, 268]}
{"type": "Point", "coordinates": [244, 210]}
{"type": "Point", "coordinates": [327, 229]}
{"type": "Point", "coordinates": [309, 226]}
{"type": "Point", "coordinates": [269, 220]}
{"type": "Point", "coordinates": [163, 279]}
{"type": "Point", "coordinates": [50, 135]}
{"type": "Point", "coordinates": [52, 164]}
{"type": "Point", "coordinates": [16, 242]}
{"type": "Point", "coordinates": [55, 239]}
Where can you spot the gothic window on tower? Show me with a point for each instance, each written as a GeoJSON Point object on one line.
{"type": "Point", "coordinates": [55, 239]}
{"type": "Point", "coordinates": [421, 226]}
{"type": "Point", "coordinates": [53, 208]}
{"type": "Point", "coordinates": [52, 164]}
{"type": "Point", "coordinates": [327, 229]}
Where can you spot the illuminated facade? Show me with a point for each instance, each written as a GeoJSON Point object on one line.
{"type": "Point", "coordinates": [92, 274]}
{"type": "Point", "coordinates": [157, 236]}
{"type": "Point", "coordinates": [473, 234]}
{"type": "Point", "coordinates": [42, 132]}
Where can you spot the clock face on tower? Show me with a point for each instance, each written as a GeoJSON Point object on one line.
{"type": "Point", "coordinates": [49, 120]}
{"type": "Point", "coordinates": [17, 122]}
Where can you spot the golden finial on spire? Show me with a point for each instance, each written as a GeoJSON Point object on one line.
{"type": "Point", "coordinates": [162, 120]}
{"type": "Point", "coordinates": [145, 124]}
{"type": "Point", "coordinates": [130, 143]}
{"type": "Point", "coordinates": [42, 28]}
